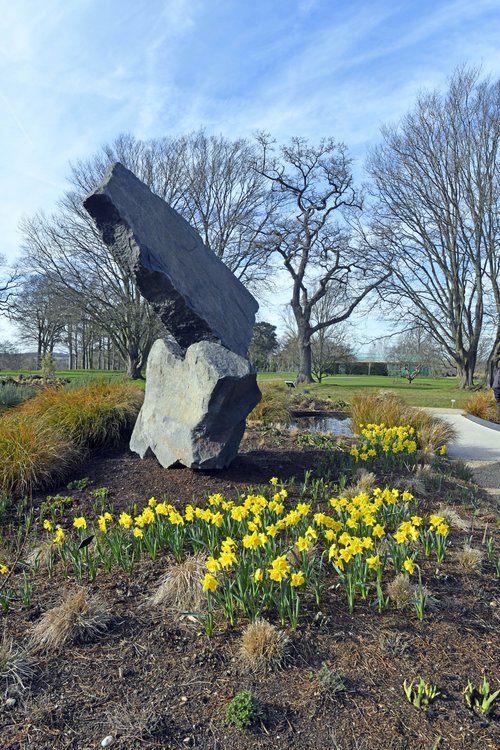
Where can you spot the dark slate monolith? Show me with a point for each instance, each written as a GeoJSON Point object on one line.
{"type": "Point", "coordinates": [196, 296]}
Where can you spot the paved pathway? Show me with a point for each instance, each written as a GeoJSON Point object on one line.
{"type": "Point", "coordinates": [478, 446]}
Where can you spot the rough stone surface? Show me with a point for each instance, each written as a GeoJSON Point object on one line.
{"type": "Point", "coordinates": [195, 405]}
{"type": "Point", "coordinates": [196, 296]}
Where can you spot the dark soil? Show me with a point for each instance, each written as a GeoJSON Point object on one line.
{"type": "Point", "coordinates": [155, 681]}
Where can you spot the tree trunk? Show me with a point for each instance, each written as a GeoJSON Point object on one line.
{"type": "Point", "coordinates": [133, 366]}
{"type": "Point", "coordinates": [467, 375]}
{"type": "Point", "coordinates": [305, 366]}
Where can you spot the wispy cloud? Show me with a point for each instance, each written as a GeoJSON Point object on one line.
{"type": "Point", "coordinates": [74, 75]}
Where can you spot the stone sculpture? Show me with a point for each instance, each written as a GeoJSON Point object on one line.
{"type": "Point", "coordinates": [199, 385]}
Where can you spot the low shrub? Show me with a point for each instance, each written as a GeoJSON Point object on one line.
{"type": "Point", "coordinates": [484, 406]}
{"type": "Point", "coordinates": [274, 407]}
{"type": "Point", "coordinates": [11, 394]}
{"type": "Point", "coordinates": [32, 454]}
{"type": "Point", "coordinates": [243, 711]}
{"type": "Point", "coordinates": [96, 414]}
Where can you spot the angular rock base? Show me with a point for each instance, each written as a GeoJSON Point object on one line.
{"type": "Point", "coordinates": [195, 405]}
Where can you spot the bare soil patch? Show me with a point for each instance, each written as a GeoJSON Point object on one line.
{"type": "Point", "coordinates": [154, 680]}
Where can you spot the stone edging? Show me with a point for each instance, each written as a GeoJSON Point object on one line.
{"type": "Point", "coordinates": [483, 422]}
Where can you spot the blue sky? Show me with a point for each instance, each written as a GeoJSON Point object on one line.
{"type": "Point", "coordinates": [74, 74]}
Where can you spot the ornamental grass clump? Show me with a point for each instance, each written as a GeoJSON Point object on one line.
{"type": "Point", "coordinates": [274, 406]}
{"type": "Point", "coordinates": [79, 617]}
{"type": "Point", "coordinates": [380, 407]}
{"type": "Point", "coordinates": [32, 454]}
{"type": "Point", "coordinates": [484, 406]}
{"type": "Point", "coordinates": [388, 409]}
{"type": "Point", "coordinates": [96, 414]}
{"type": "Point", "coordinates": [263, 647]}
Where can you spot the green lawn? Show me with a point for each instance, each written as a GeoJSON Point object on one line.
{"type": "Point", "coordinates": [422, 392]}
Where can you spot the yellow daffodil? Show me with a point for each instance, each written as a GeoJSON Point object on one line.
{"type": "Point", "coordinates": [239, 512]}
{"type": "Point", "coordinates": [297, 579]}
{"type": "Point", "coordinates": [59, 536]}
{"type": "Point", "coordinates": [80, 523]}
{"type": "Point", "coordinates": [227, 559]}
{"type": "Point", "coordinates": [303, 543]}
{"type": "Point", "coordinates": [209, 582]}
{"type": "Point", "coordinates": [125, 520]}
{"type": "Point", "coordinates": [47, 525]}
{"type": "Point", "coordinates": [279, 568]}
{"type": "Point", "coordinates": [101, 522]}
{"type": "Point", "coordinates": [212, 565]}
{"type": "Point", "coordinates": [138, 533]}
{"type": "Point", "coordinates": [3, 570]}
{"type": "Point", "coordinates": [409, 565]}
{"type": "Point", "coordinates": [374, 562]}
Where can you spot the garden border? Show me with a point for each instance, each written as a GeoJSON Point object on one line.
{"type": "Point", "coordinates": [483, 422]}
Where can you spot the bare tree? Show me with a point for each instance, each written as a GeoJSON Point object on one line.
{"type": "Point", "coordinates": [40, 314]}
{"type": "Point", "coordinates": [315, 186]}
{"type": "Point", "coordinates": [9, 279]}
{"type": "Point", "coordinates": [67, 249]}
{"type": "Point", "coordinates": [437, 206]}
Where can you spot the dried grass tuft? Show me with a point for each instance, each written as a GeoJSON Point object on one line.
{"type": "Point", "coordinates": [41, 555]}
{"type": "Point", "coordinates": [15, 668]}
{"type": "Point", "coordinates": [181, 587]}
{"type": "Point", "coordinates": [135, 719]}
{"type": "Point", "coordinates": [263, 647]}
{"type": "Point", "coordinates": [470, 558]}
{"type": "Point", "coordinates": [79, 617]}
{"type": "Point", "coordinates": [434, 431]}
{"type": "Point", "coordinates": [400, 591]}
{"type": "Point", "coordinates": [452, 517]}
{"type": "Point", "coordinates": [363, 481]}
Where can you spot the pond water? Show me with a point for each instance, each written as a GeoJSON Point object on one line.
{"type": "Point", "coordinates": [335, 425]}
